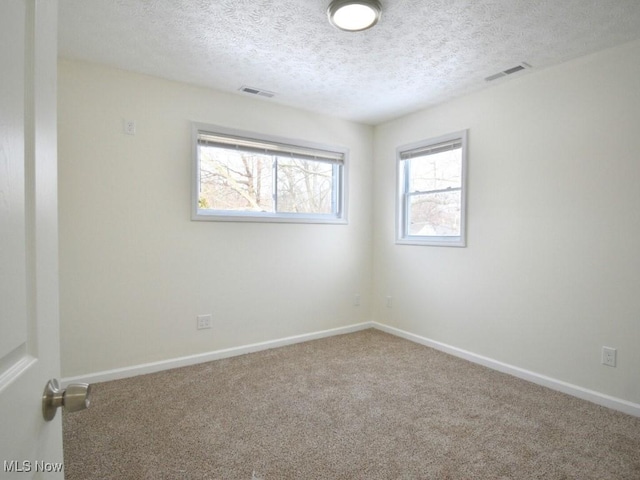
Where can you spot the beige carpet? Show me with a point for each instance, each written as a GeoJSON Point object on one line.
{"type": "Point", "coordinates": [365, 405]}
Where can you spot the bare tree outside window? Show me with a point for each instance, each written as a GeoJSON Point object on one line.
{"type": "Point", "coordinates": [432, 191]}
{"type": "Point", "coordinates": [237, 174]}
{"type": "Point", "coordinates": [232, 180]}
{"type": "Point", "coordinates": [435, 210]}
{"type": "Point", "coordinates": [304, 186]}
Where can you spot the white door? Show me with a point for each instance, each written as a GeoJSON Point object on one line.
{"type": "Point", "coordinates": [29, 338]}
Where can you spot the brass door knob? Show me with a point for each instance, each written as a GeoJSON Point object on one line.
{"type": "Point", "coordinates": [75, 397]}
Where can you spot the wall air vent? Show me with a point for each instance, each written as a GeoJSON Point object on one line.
{"type": "Point", "coordinates": [508, 71]}
{"type": "Point", "coordinates": [256, 91]}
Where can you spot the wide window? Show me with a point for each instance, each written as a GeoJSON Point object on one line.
{"type": "Point", "coordinates": [244, 176]}
{"type": "Point", "coordinates": [431, 191]}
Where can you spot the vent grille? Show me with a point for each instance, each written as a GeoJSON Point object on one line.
{"type": "Point", "coordinates": [508, 71]}
{"type": "Point", "coordinates": [256, 91]}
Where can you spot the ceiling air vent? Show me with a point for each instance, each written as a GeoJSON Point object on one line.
{"type": "Point", "coordinates": [256, 91]}
{"type": "Point", "coordinates": [508, 71]}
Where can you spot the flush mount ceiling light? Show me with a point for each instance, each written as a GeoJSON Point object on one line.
{"type": "Point", "coordinates": [354, 15]}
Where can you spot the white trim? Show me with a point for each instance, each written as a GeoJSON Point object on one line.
{"type": "Point", "coordinates": [161, 365]}
{"type": "Point", "coordinates": [402, 236]}
{"type": "Point", "coordinates": [598, 398]}
{"type": "Point", "coordinates": [340, 185]}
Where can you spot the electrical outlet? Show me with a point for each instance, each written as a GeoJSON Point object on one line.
{"type": "Point", "coordinates": [203, 321]}
{"type": "Point", "coordinates": [389, 302]}
{"type": "Point", "coordinates": [609, 356]}
{"type": "Point", "coordinates": [356, 300]}
{"type": "Point", "coordinates": [130, 127]}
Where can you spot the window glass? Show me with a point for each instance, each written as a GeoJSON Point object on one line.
{"type": "Point", "coordinates": [431, 191]}
{"type": "Point", "coordinates": [235, 181]}
{"type": "Point", "coordinates": [437, 171]}
{"type": "Point", "coordinates": [305, 186]}
{"type": "Point", "coordinates": [242, 176]}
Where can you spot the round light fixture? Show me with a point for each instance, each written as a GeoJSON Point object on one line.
{"type": "Point", "coordinates": [354, 15]}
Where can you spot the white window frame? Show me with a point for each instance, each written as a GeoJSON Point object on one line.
{"type": "Point", "coordinates": [339, 185]}
{"type": "Point", "coordinates": [403, 195]}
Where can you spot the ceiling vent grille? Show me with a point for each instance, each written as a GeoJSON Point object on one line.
{"type": "Point", "coordinates": [256, 91]}
{"type": "Point", "coordinates": [508, 71]}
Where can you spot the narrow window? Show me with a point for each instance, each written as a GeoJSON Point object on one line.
{"type": "Point", "coordinates": [432, 191]}
{"type": "Point", "coordinates": [242, 176]}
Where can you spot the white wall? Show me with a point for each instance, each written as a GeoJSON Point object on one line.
{"type": "Point", "coordinates": [550, 275]}
{"type": "Point", "coordinates": [135, 271]}
{"type": "Point", "coordinates": [552, 268]}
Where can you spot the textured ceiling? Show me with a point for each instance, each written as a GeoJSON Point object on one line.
{"type": "Point", "coordinates": [421, 52]}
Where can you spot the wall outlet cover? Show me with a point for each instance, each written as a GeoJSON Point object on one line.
{"type": "Point", "coordinates": [609, 356]}
{"type": "Point", "coordinates": [130, 127]}
{"type": "Point", "coordinates": [203, 321]}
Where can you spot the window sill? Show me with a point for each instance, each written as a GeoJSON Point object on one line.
{"type": "Point", "coordinates": [267, 218]}
{"type": "Point", "coordinates": [433, 241]}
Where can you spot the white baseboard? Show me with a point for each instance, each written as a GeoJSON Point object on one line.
{"type": "Point", "coordinates": [153, 367]}
{"type": "Point", "coordinates": [570, 389]}
{"type": "Point", "coordinates": [564, 387]}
